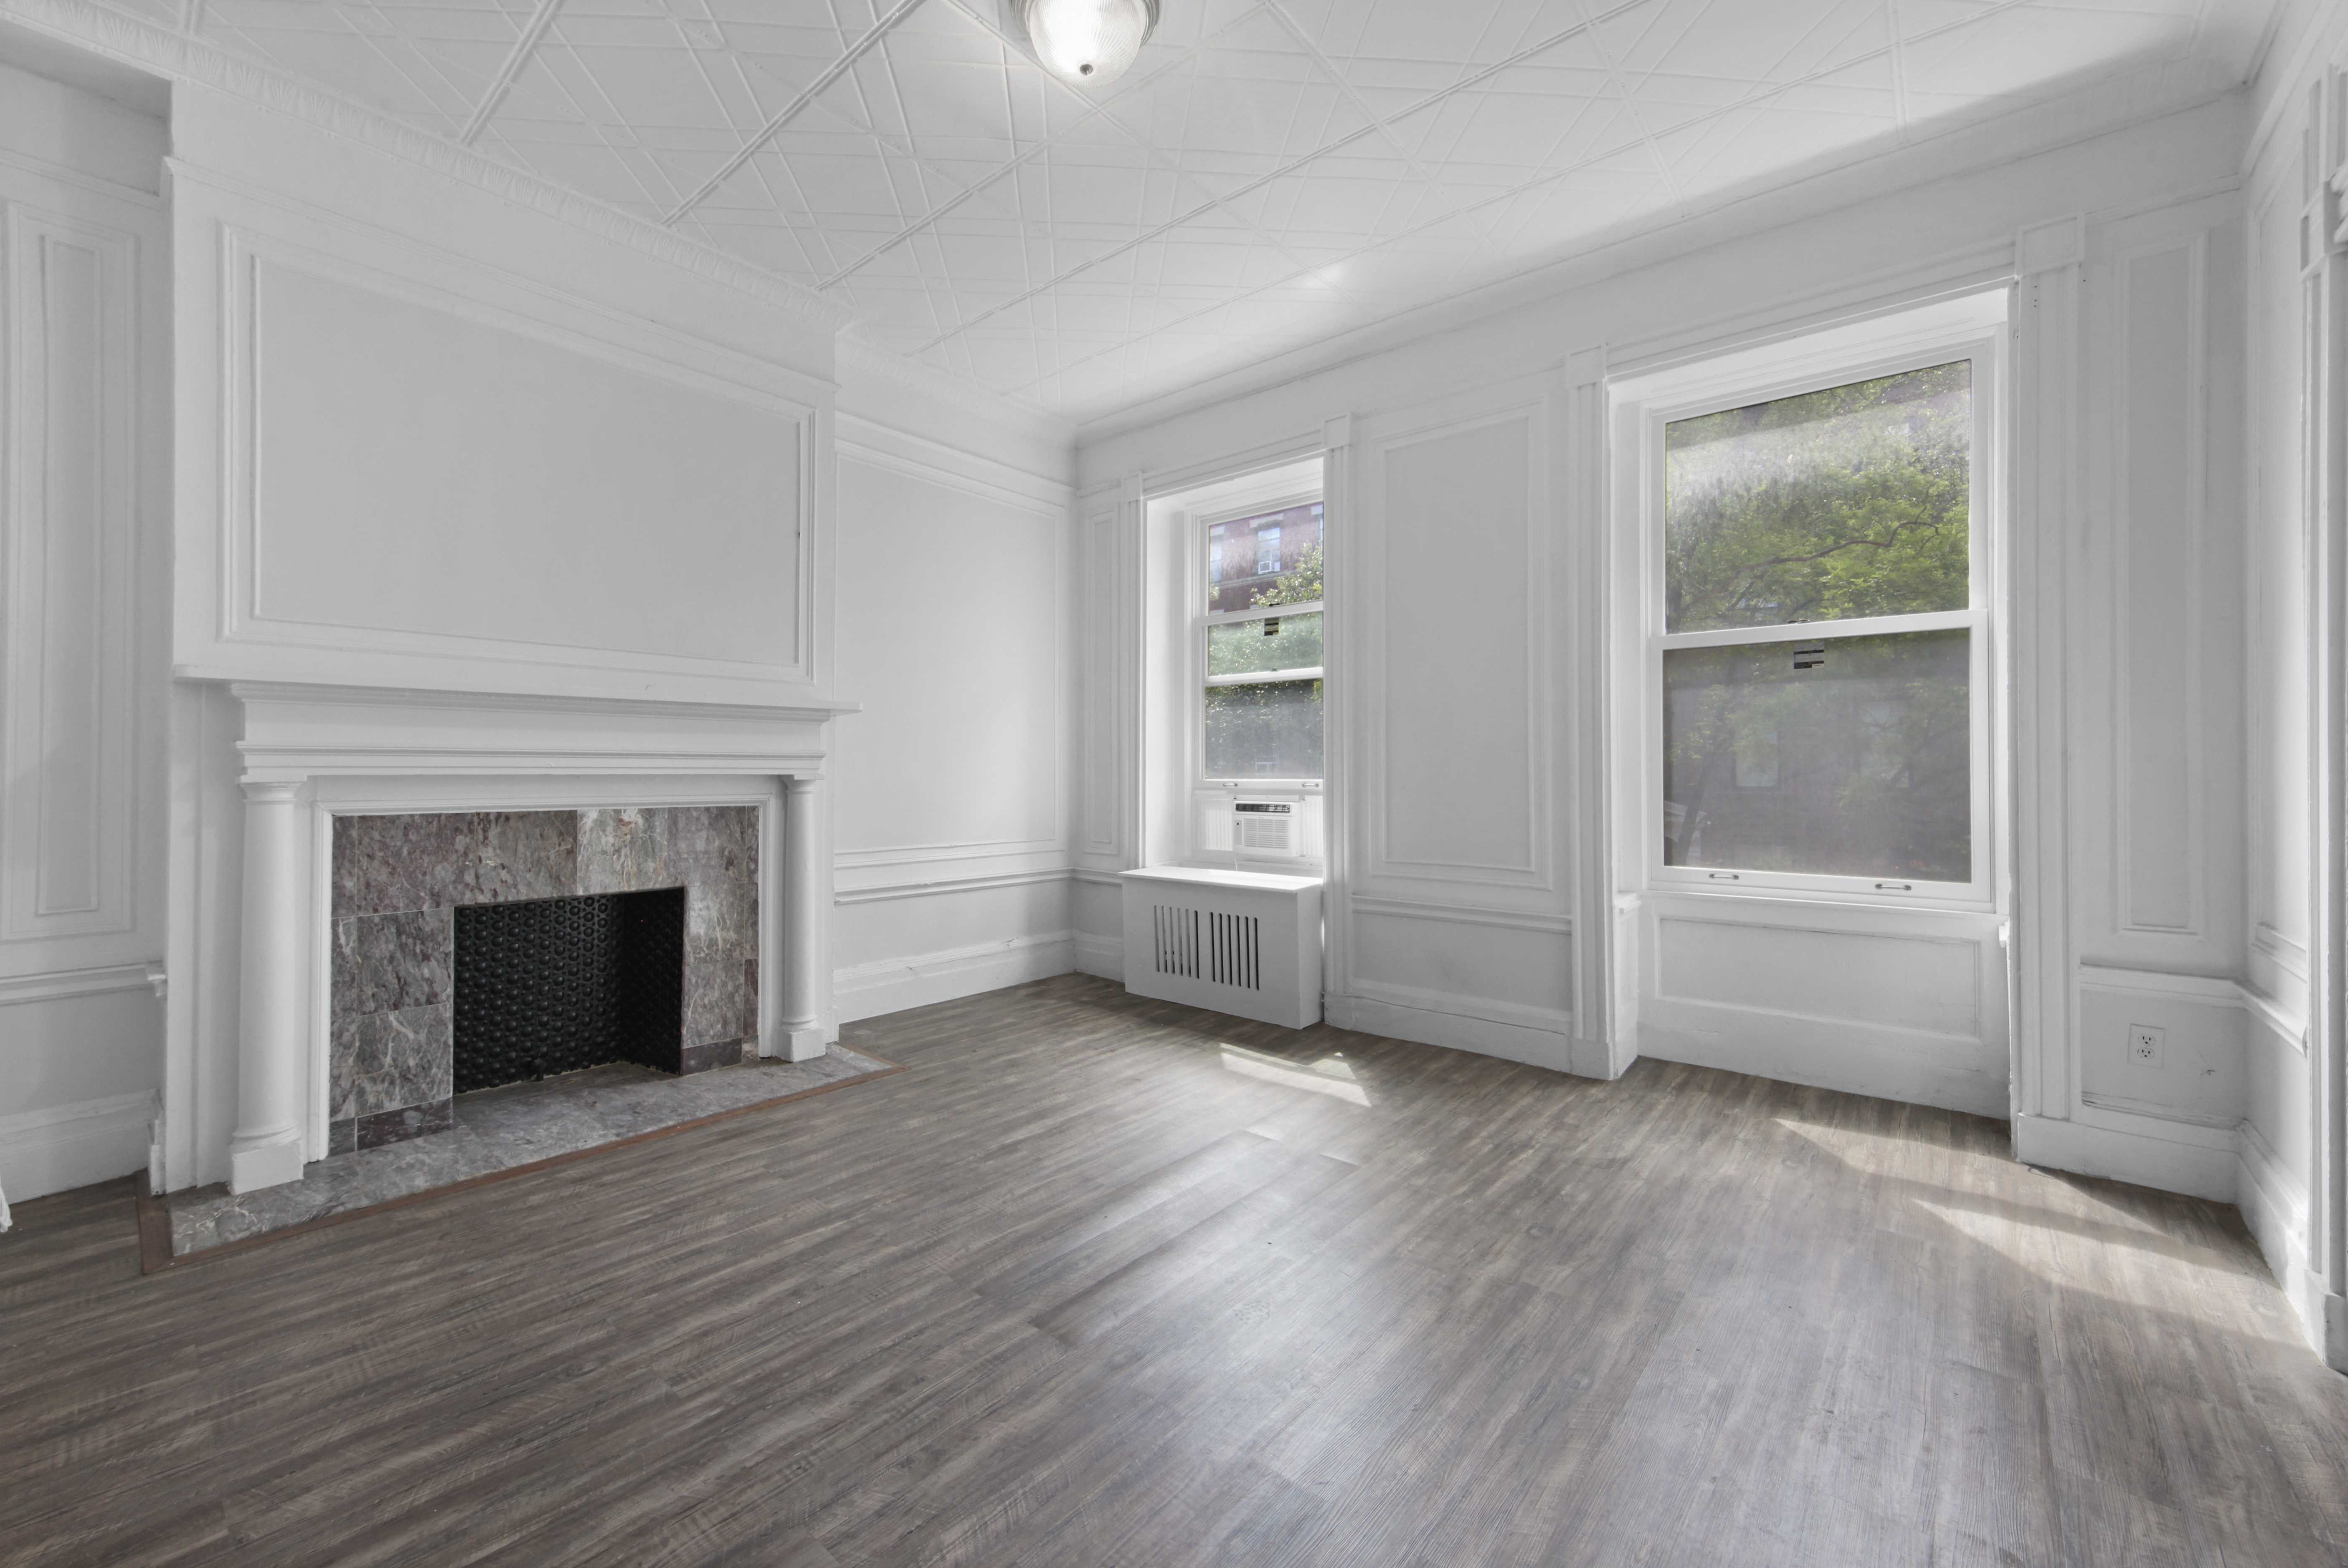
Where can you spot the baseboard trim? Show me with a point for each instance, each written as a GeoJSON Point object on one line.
{"type": "Point", "coordinates": [1548, 1048]}
{"type": "Point", "coordinates": [893, 984]}
{"type": "Point", "coordinates": [67, 1146]}
{"type": "Point", "coordinates": [2274, 1201]}
{"type": "Point", "coordinates": [1101, 956]}
{"type": "Point", "coordinates": [2173, 1155]}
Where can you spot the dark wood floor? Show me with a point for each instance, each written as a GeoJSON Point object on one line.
{"type": "Point", "coordinates": [1118, 1285]}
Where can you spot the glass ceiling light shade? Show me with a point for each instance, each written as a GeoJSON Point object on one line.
{"type": "Point", "coordinates": [1088, 41]}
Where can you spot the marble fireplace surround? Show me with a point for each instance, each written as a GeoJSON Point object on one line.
{"type": "Point", "coordinates": [750, 774]}
{"type": "Point", "coordinates": [399, 881]}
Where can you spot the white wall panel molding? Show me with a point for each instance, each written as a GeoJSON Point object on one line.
{"type": "Point", "coordinates": [2288, 956]}
{"type": "Point", "coordinates": [2044, 486]}
{"type": "Point", "coordinates": [892, 984]}
{"type": "Point", "coordinates": [69, 571]}
{"type": "Point", "coordinates": [33, 174]}
{"type": "Point", "coordinates": [1457, 686]}
{"type": "Point", "coordinates": [124, 37]}
{"type": "Point", "coordinates": [278, 579]}
{"type": "Point", "coordinates": [2154, 324]}
{"type": "Point", "coordinates": [67, 1146]}
{"type": "Point", "coordinates": [60, 984]}
{"type": "Point", "coordinates": [959, 631]}
{"type": "Point", "coordinates": [1601, 870]}
{"type": "Point", "coordinates": [849, 890]}
{"type": "Point", "coordinates": [1463, 914]}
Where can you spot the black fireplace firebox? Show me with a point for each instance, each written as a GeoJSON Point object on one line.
{"type": "Point", "coordinates": [550, 986]}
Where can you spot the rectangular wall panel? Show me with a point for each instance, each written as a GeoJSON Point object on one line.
{"type": "Point", "coordinates": [66, 825]}
{"type": "Point", "coordinates": [455, 484]}
{"type": "Point", "coordinates": [1891, 982]}
{"type": "Point", "coordinates": [949, 634]}
{"type": "Point", "coordinates": [2156, 639]}
{"type": "Point", "coordinates": [1457, 653]}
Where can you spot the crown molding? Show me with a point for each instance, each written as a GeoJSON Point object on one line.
{"type": "Point", "coordinates": [855, 354]}
{"type": "Point", "coordinates": [1836, 181]}
{"type": "Point", "coordinates": [134, 42]}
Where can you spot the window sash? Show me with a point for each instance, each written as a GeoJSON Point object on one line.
{"type": "Point", "coordinates": [1811, 631]}
{"type": "Point", "coordinates": [1264, 677]}
{"type": "Point", "coordinates": [1260, 613]}
{"type": "Point", "coordinates": [1982, 500]}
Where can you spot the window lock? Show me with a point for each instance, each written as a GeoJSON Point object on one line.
{"type": "Point", "coordinates": [1810, 656]}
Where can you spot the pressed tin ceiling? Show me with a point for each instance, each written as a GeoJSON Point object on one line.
{"type": "Point", "coordinates": [1266, 175]}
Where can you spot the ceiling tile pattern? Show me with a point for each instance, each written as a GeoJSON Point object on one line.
{"type": "Point", "coordinates": [1270, 173]}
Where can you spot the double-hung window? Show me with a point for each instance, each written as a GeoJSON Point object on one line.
{"type": "Point", "coordinates": [1819, 669]}
{"type": "Point", "coordinates": [1258, 638]}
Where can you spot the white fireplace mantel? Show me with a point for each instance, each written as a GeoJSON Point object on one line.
{"type": "Point", "coordinates": [311, 752]}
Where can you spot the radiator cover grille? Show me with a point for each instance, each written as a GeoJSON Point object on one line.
{"type": "Point", "coordinates": [1208, 945]}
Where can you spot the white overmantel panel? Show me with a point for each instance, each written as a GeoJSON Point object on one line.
{"type": "Point", "coordinates": [426, 439]}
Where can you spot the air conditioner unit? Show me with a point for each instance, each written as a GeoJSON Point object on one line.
{"type": "Point", "coordinates": [1265, 830]}
{"type": "Point", "coordinates": [1244, 942]}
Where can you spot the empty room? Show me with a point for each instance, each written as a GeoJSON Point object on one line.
{"type": "Point", "coordinates": [1122, 783]}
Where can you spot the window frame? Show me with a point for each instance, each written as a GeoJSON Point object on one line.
{"type": "Point", "coordinates": [1197, 550]}
{"type": "Point", "coordinates": [1828, 360]}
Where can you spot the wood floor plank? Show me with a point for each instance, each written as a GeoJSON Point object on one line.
{"type": "Point", "coordinates": [1113, 1283]}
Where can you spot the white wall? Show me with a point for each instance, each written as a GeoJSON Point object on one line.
{"type": "Point", "coordinates": [953, 801]}
{"type": "Point", "coordinates": [84, 554]}
{"type": "Point", "coordinates": [1480, 901]}
{"type": "Point", "coordinates": [2291, 1134]}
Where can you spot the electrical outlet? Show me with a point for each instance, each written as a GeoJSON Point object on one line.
{"type": "Point", "coordinates": [2146, 1043]}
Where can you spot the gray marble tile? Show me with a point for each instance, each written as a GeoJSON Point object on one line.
{"type": "Point", "coordinates": [721, 995]}
{"type": "Point", "coordinates": [716, 1054]}
{"type": "Point", "coordinates": [386, 864]}
{"type": "Point", "coordinates": [386, 1061]}
{"type": "Point", "coordinates": [519, 855]}
{"type": "Point", "coordinates": [498, 1129]}
{"type": "Point", "coordinates": [627, 850]}
{"type": "Point", "coordinates": [386, 962]}
{"type": "Point", "coordinates": [408, 1121]}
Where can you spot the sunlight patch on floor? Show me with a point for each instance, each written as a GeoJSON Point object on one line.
{"type": "Point", "coordinates": [1331, 1075]}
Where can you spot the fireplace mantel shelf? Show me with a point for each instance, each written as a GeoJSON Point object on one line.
{"type": "Point", "coordinates": [295, 731]}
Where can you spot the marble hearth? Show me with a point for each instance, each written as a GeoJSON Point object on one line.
{"type": "Point", "coordinates": [398, 880]}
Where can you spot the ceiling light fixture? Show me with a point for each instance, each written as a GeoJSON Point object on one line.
{"type": "Point", "coordinates": [1086, 42]}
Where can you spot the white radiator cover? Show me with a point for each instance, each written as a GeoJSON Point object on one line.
{"type": "Point", "coordinates": [1244, 942]}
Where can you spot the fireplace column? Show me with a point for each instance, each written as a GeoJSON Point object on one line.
{"type": "Point", "coordinates": [803, 949]}
{"type": "Point", "coordinates": [271, 1068]}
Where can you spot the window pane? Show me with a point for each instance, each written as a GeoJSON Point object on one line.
{"type": "Point", "coordinates": [1832, 505]}
{"type": "Point", "coordinates": [1858, 765]}
{"type": "Point", "coordinates": [1267, 731]}
{"type": "Point", "coordinates": [1274, 643]}
{"type": "Point", "coordinates": [1273, 558]}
